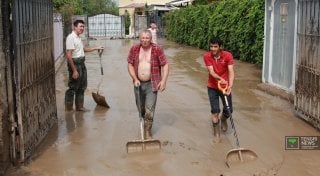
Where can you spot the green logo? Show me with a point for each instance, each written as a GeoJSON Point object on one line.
{"type": "Point", "coordinates": [292, 140]}
{"type": "Point", "coordinates": [292, 143]}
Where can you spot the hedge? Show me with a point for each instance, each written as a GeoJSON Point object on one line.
{"type": "Point", "coordinates": [239, 23]}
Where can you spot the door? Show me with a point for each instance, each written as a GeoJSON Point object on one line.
{"type": "Point", "coordinates": [282, 55]}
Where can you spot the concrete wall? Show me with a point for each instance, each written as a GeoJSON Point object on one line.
{"type": "Point", "coordinates": [57, 36]}
{"type": "Point", "coordinates": [4, 135]}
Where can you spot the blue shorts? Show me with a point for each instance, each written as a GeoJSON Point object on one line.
{"type": "Point", "coordinates": [214, 102]}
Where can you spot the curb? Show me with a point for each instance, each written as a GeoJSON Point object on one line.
{"type": "Point", "coordinates": [275, 91]}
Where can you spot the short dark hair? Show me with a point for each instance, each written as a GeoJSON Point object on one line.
{"type": "Point", "coordinates": [216, 40]}
{"type": "Point", "coordinates": [75, 23]}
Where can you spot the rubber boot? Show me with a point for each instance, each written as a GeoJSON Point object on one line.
{"type": "Point", "coordinates": [216, 132]}
{"type": "Point", "coordinates": [68, 106]}
{"type": "Point", "coordinates": [147, 129]}
{"type": "Point", "coordinates": [224, 124]}
{"type": "Point", "coordinates": [79, 106]}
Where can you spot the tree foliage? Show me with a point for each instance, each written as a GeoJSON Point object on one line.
{"type": "Point", "coordinates": [94, 7]}
{"type": "Point", "coordinates": [127, 22]}
{"type": "Point", "coordinates": [68, 8]}
{"type": "Point", "coordinates": [240, 24]}
{"type": "Point", "coordinates": [89, 7]}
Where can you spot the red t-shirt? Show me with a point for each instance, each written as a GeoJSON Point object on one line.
{"type": "Point", "coordinates": [220, 66]}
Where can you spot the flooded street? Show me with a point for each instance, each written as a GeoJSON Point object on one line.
{"type": "Point", "coordinates": [94, 143]}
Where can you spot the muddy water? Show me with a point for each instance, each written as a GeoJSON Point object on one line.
{"type": "Point", "coordinates": [93, 143]}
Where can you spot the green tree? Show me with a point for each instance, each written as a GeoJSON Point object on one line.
{"type": "Point", "coordinates": [94, 7]}
{"type": "Point", "coordinates": [200, 2]}
{"type": "Point", "coordinates": [74, 6]}
{"type": "Point", "coordinates": [127, 22]}
{"type": "Point", "coordinates": [240, 24]}
{"type": "Point", "coordinates": [89, 7]}
{"type": "Point", "coordinates": [68, 8]}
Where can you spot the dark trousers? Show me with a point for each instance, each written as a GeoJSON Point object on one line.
{"type": "Point", "coordinates": [77, 87]}
{"type": "Point", "coordinates": [214, 96]}
{"type": "Point", "coordinates": [147, 100]}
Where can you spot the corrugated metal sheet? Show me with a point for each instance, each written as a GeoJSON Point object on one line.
{"type": "Point", "coordinates": [34, 73]}
{"type": "Point", "coordinates": [307, 88]}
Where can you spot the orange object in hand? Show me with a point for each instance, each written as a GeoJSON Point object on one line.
{"type": "Point", "coordinates": [223, 87]}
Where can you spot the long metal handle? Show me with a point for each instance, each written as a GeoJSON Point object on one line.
{"type": "Point", "coordinates": [101, 70]}
{"type": "Point", "coordinates": [101, 65]}
{"type": "Point", "coordinates": [100, 51]}
{"type": "Point", "coordinates": [138, 100]}
{"type": "Point", "coordinates": [231, 120]}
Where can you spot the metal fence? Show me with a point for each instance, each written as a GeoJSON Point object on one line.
{"type": "Point", "coordinates": [34, 73]}
{"type": "Point", "coordinates": [106, 25]}
{"type": "Point", "coordinates": [157, 17]}
{"type": "Point", "coordinates": [307, 87]}
{"type": "Point", "coordinates": [6, 101]}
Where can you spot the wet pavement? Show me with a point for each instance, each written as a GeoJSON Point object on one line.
{"type": "Point", "coordinates": [94, 143]}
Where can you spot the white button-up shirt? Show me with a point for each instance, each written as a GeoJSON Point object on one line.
{"type": "Point", "coordinates": [154, 35]}
{"type": "Point", "coordinates": [74, 43]}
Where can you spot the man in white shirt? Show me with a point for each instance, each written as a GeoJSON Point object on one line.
{"type": "Point", "coordinates": [76, 67]}
{"type": "Point", "coordinates": [154, 31]}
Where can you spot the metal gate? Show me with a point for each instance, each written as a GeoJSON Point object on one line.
{"type": "Point", "coordinates": [34, 73]}
{"type": "Point", "coordinates": [307, 88]}
{"type": "Point", "coordinates": [157, 17]}
{"type": "Point", "coordinates": [140, 23]}
{"type": "Point", "coordinates": [106, 25]}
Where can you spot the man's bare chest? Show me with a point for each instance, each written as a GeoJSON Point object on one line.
{"type": "Point", "coordinates": [145, 56]}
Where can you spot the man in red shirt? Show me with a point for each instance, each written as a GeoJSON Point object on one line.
{"type": "Point", "coordinates": [149, 69]}
{"type": "Point", "coordinates": [220, 68]}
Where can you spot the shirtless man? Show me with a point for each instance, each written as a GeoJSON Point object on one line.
{"type": "Point", "coordinates": [149, 69]}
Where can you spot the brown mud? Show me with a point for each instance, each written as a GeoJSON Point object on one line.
{"type": "Point", "coordinates": [93, 143]}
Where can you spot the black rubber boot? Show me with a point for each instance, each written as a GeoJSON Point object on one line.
{"type": "Point", "coordinates": [216, 132]}
{"type": "Point", "coordinates": [68, 106]}
{"type": "Point", "coordinates": [79, 106]}
{"type": "Point", "coordinates": [147, 129]}
{"type": "Point", "coordinates": [224, 123]}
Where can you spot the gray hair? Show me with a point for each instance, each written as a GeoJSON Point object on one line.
{"type": "Point", "coordinates": [145, 31]}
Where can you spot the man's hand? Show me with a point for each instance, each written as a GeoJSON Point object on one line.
{"type": "Point", "coordinates": [93, 48]}
{"type": "Point", "coordinates": [229, 90]}
{"type": "Point", "coordinates": [161, 86]}
{"type": "Point", "coordinates": [75, 74]}
{"type": "Point", "coordinates": [223, 82]}
{"type": "Point", "coordinates": [99, 48]}
{"type": "Point", "coordinates": [136, 83]}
